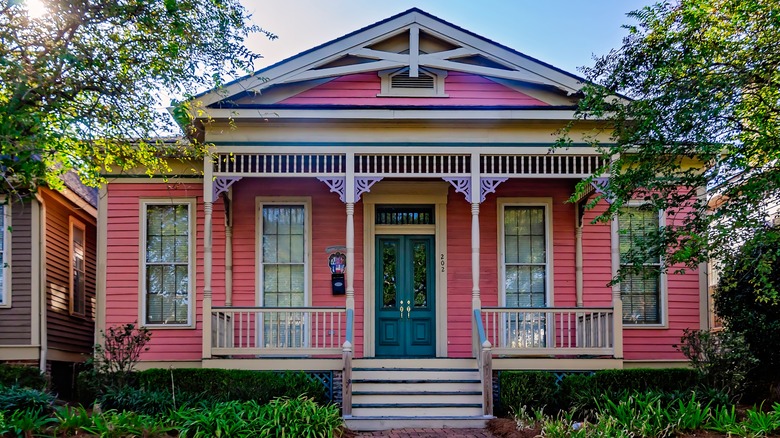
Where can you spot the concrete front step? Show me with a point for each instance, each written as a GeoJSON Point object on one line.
{"type": "Point", "coordinates": [379, 397]}
{"type": "Point", "coordinates": [401, 386]}
{"type": "Point", "coordinates": [413, 374]}
{"type": "Point", "coordinates": [441, 363]}
{"type": "Point", "coordinates": [367, 423]}
{"type": "Point", "coordinates": [416, 410]}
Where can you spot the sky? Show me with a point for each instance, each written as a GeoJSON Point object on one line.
{"type": "Point", "coordinates": [564, 33]}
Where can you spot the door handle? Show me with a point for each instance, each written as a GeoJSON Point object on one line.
{"type": "Point", "coordinates": [408, 308]}
{"type": "Point", "coordinates": [402, 309]}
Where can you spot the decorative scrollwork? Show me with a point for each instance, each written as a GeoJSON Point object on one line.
{"type": "Point", "coordinates": [462, 185]}
{"type": "Point", "coordinates": [363, 185]}
{"type": "Point", "coordinates": [600, 186]}
{"type": "Point", "coordinates": [337, 184]}
{"type": "Point", "coordinates": [488, 185]}
{"type": "Point", "coordinates": [222, 184]}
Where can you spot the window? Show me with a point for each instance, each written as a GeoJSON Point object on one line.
{"type": "Point", "coordinates": [525, 256]}
{"type": "Point", "coordinates": [5, 247]}
{"type": "Point", "coordinates": [640, 291]}
{"type": "Point", "coordinates": [284, 264]}
{"type": "Point", "coordinates": [167, 269]}
{"type": "Point", "coordinates": [526, 270]}
{"type": "Point", "coordinates": [77, 268]}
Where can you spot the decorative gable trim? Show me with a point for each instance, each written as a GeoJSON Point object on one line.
{"type": "Point", "coordinates": [314, 64]}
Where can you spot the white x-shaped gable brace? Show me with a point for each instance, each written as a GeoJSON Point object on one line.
{"type": "Point", "coordinates": [314, 64]}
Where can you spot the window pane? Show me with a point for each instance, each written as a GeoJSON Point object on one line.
{"type": "Point", "coordinates": [167, 269]}
{"type": "Point", "coordinates": [283, 256]}
{"type": "Point", "coordinates": [525, 256]}
{"type": "Point", "coordinates": [389, 265]}
{"type": "Point", "coordinates": [640, 291]}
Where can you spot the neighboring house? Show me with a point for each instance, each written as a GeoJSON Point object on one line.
{"type": "Point", "coordinates": [420, 152]}
{"type": "Point", "coordinates": [47, 293]}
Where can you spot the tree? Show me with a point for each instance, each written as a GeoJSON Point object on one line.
{"type": "Point", "coordinates": [80, 86]}
{"type": "Point", "coordinates": [747, 271]}
{"type": "Point", "coordinates": [692, 101]}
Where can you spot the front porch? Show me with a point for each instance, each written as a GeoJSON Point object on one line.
{"type": "Point", "coordinates": [470, 319]}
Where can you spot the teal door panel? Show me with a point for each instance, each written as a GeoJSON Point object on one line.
{"type": "Point", "coordinates": [405, 288]}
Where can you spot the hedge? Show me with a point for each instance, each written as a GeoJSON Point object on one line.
{"type": "Point", "coordinates": [537, 390]}
{"type": "Point", "coordinates": [22, 376]}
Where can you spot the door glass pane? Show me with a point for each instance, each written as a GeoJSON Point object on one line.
{"type": "Point", "coordinates": [389, 269]}
{"type": "Point", "coordinates": [420, 273]}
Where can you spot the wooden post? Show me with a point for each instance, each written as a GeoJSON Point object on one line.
{"type": "Point", "coordinates": [578, 281]}
{"type": "Point", "coordinates": [617, 301]}
{"type": "Point", "coordinates": [208, 200]}
{"type": "Point", "coordinates": [487, 379]}
{"type": "Point", "coordinates": [346, 380]}
{"type": "Point", "coordinates": [350, 277]}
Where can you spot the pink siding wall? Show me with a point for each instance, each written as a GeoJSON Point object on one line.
{"type": "Point", "coordinates": [328, 229]}
{"type": "Point", "coordinates": [123, 264]}
{"type": "Point", "coordinates": [462, 88]}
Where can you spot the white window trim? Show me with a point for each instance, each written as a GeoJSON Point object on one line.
{"type": "Point", "coordinates": [547, 203]}
{"type": "Point", "coordinates": [387, 89]}
{"type": "Point", "coordinates": [662, 286]}
{"type": "Point", "coordinates": [260, 202]}
{"type": "Point", "coordinates": [72, 224]}
{"type": "Point", "coordinates": [192, 204]}
{"type": "Point", "coordinates": [6, 261]}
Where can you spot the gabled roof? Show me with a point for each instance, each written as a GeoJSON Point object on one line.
{"type": "Point", "coordinates": [412, 40]}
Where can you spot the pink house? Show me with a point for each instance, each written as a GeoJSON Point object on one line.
{"type": "Point", "coordinates": [386, 209]}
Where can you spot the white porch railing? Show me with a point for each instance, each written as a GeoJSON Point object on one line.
{"type": "Point", "coordinates": [277, 330]}
{"type": "Point", "coordinates": [534, 331]}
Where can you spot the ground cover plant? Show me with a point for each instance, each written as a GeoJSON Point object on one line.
{"type": "Point", "coordinates": [283, 417]}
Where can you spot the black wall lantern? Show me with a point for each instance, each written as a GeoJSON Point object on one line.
{"type": "Point", "coordinates": [338, 265]}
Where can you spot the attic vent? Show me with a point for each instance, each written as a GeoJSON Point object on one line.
{"type": "Point", "coordinates": [403, 80]}
{"type": "Point", "coordinates": [428, 83]}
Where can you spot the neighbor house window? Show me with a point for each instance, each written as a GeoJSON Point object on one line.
{"type": "Point", "coordinates": [77, 268]}
{"type": "Point", "coordinates": [5, 247]}
{"type": "Point", "coordinates": [639, 290]}
{"type": "Point", "coordinates": [525, 270]}
{"type": "Point", "coordinates": [283, 261]}
{"type": "Point", "coordinates": [168, 242]}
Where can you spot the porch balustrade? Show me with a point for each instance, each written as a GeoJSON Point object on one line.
{"type": "Point", "coordinates": [535, 331]}
{"type": "Point", "coordinates": [277, 330]}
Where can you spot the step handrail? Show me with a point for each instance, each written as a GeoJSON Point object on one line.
{"type": "Point", "coordinates": [346, 374]}
{"type": "Point", "coordinates": [485, 361]}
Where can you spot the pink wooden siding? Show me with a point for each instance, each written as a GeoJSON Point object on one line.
{"type": "Point", "coordinates": [462, 88]}
{"type": "Point", "coordinates": [123, 264]}
{"type": "Point", "coordinates": [328, 229]}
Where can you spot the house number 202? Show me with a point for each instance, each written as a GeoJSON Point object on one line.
{"type": "Point", "coordinates": [441, 262]}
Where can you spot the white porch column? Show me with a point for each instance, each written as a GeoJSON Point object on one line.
{"type": "Point", "coordinates": [349, 201]}
{"type": "Point", "coordinates": [578, 283]}
{"type": "Point", "coordinates": [208, 200]}
{"type": "Point", "coordinates": [617, 301]}
{"type": "Point", "coordinates": [229, 263]}
{"type": "Point", "coordinates": [476, 193]}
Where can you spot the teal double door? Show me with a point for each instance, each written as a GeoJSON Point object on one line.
{"type": "Point", "coordinates": [405, 294]}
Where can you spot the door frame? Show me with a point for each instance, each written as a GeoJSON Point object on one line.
{"type": "Point", "coordinates": [405, 193]}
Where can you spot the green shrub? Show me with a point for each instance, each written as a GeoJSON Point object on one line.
{"type": "Point", "coordinates": [26, 377]}
{"type": "Point", "coordinates": [228, 385]}
{"type": "Point", "coordinates": [580, 392]}
{"type": "Point", "coordinates": [15, 398]}
{"type": "Point", "coordinates": [529, 390]}
{"type": "Point", "coordinates": [723, 358]}
{"type": "Point", "coordinates": [302, 417]}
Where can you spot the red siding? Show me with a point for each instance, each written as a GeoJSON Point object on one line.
{"type": "Point", "coordinates": [123, 264]}
{"type": "Point", "coordinates": [362, 89]}
{"type": "Point", "coordinates": [328, 229]}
